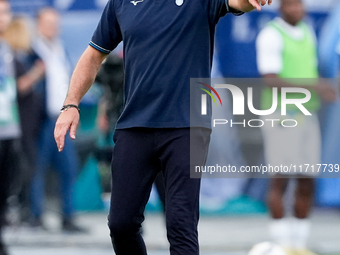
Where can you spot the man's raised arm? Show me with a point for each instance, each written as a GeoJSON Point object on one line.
{"type": "Point", "coordinates": [82, 79]}
{"type": "Point", "coordinates": [248, 5]}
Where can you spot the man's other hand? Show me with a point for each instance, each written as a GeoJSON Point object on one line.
{"type": "Point", "coordinates": [248, 5]}
{"type": "Point", "coordinates": [67, 120]}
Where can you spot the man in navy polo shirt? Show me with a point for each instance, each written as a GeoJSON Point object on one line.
{"type": "Point", "coordinates": [166, 42]}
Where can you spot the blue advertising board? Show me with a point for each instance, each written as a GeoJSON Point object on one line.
{"type": "Point", "coordinates": [31, 7]}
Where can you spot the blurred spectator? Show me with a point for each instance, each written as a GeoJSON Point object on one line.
{"type": "Point", "coordinates": [286, 48]}
{"type": "Point", "coordinates": [111, 77]}
{"type": "Point", "coordinates": [328, 189]}
{"type": "Point", "coordinates": [225, 148]}
{"type": "Point", "coordinates": [9, 117]}
{"type": "Point", "coordinates": [49, 47]}
{"type": "Point", "coordinates": [29, 73]}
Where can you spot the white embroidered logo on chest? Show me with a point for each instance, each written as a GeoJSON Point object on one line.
{"type": "Point", "coordinates": [179, 2]}
{"type": "Point", "coordinates": [136, 2]}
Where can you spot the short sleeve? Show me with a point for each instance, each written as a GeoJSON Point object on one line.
{"type": "Point", "coordinates": [219, 8]}
{"type": "Point", "coordinates": [107, 35]}
{"type": "Point", "coordinates": [19, 68]}
{"type": "Point", "coordinates": [34, 56]}
{"type": "Point", "coordinates": [269, 46]}
{"type": "Point", "coordinates": [232, 10]}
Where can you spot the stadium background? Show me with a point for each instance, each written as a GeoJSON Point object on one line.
{"type": "Point", "coordinates": [235, 54]}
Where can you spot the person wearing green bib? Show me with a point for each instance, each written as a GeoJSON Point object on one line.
{"type": "Point", "coordinates": [287, 57]}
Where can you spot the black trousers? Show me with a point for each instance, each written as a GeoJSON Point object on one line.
{"type": "Point", "coordinates": [9, 165]}
{"type": "Point", "coordinates": [138, 156]}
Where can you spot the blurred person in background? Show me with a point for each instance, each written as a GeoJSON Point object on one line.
{"type": "Point", "coordinates": [51, 50]}
{"type": "Point", "coordinates": [9, 118]}
{"type": "Point", "coordinates": [287, 48]}
{"type": "Point", "coordinates": [111, 77]}
{"type": "Point", "coordinates": [29, 72]}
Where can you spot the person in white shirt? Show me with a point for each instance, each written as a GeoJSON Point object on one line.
{"type": "Point", "coordinates": [287, 57]}
{"type": "Point", "coordinates": [51, 50]}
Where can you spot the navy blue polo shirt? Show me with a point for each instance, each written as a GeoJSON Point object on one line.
{"type": "Point", "coordinates": [166, 42]}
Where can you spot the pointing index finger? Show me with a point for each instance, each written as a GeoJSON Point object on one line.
{"type": "Point", "coordinates": [255, 4]}
{"type": "Point", "coordinates": [59, 135]}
